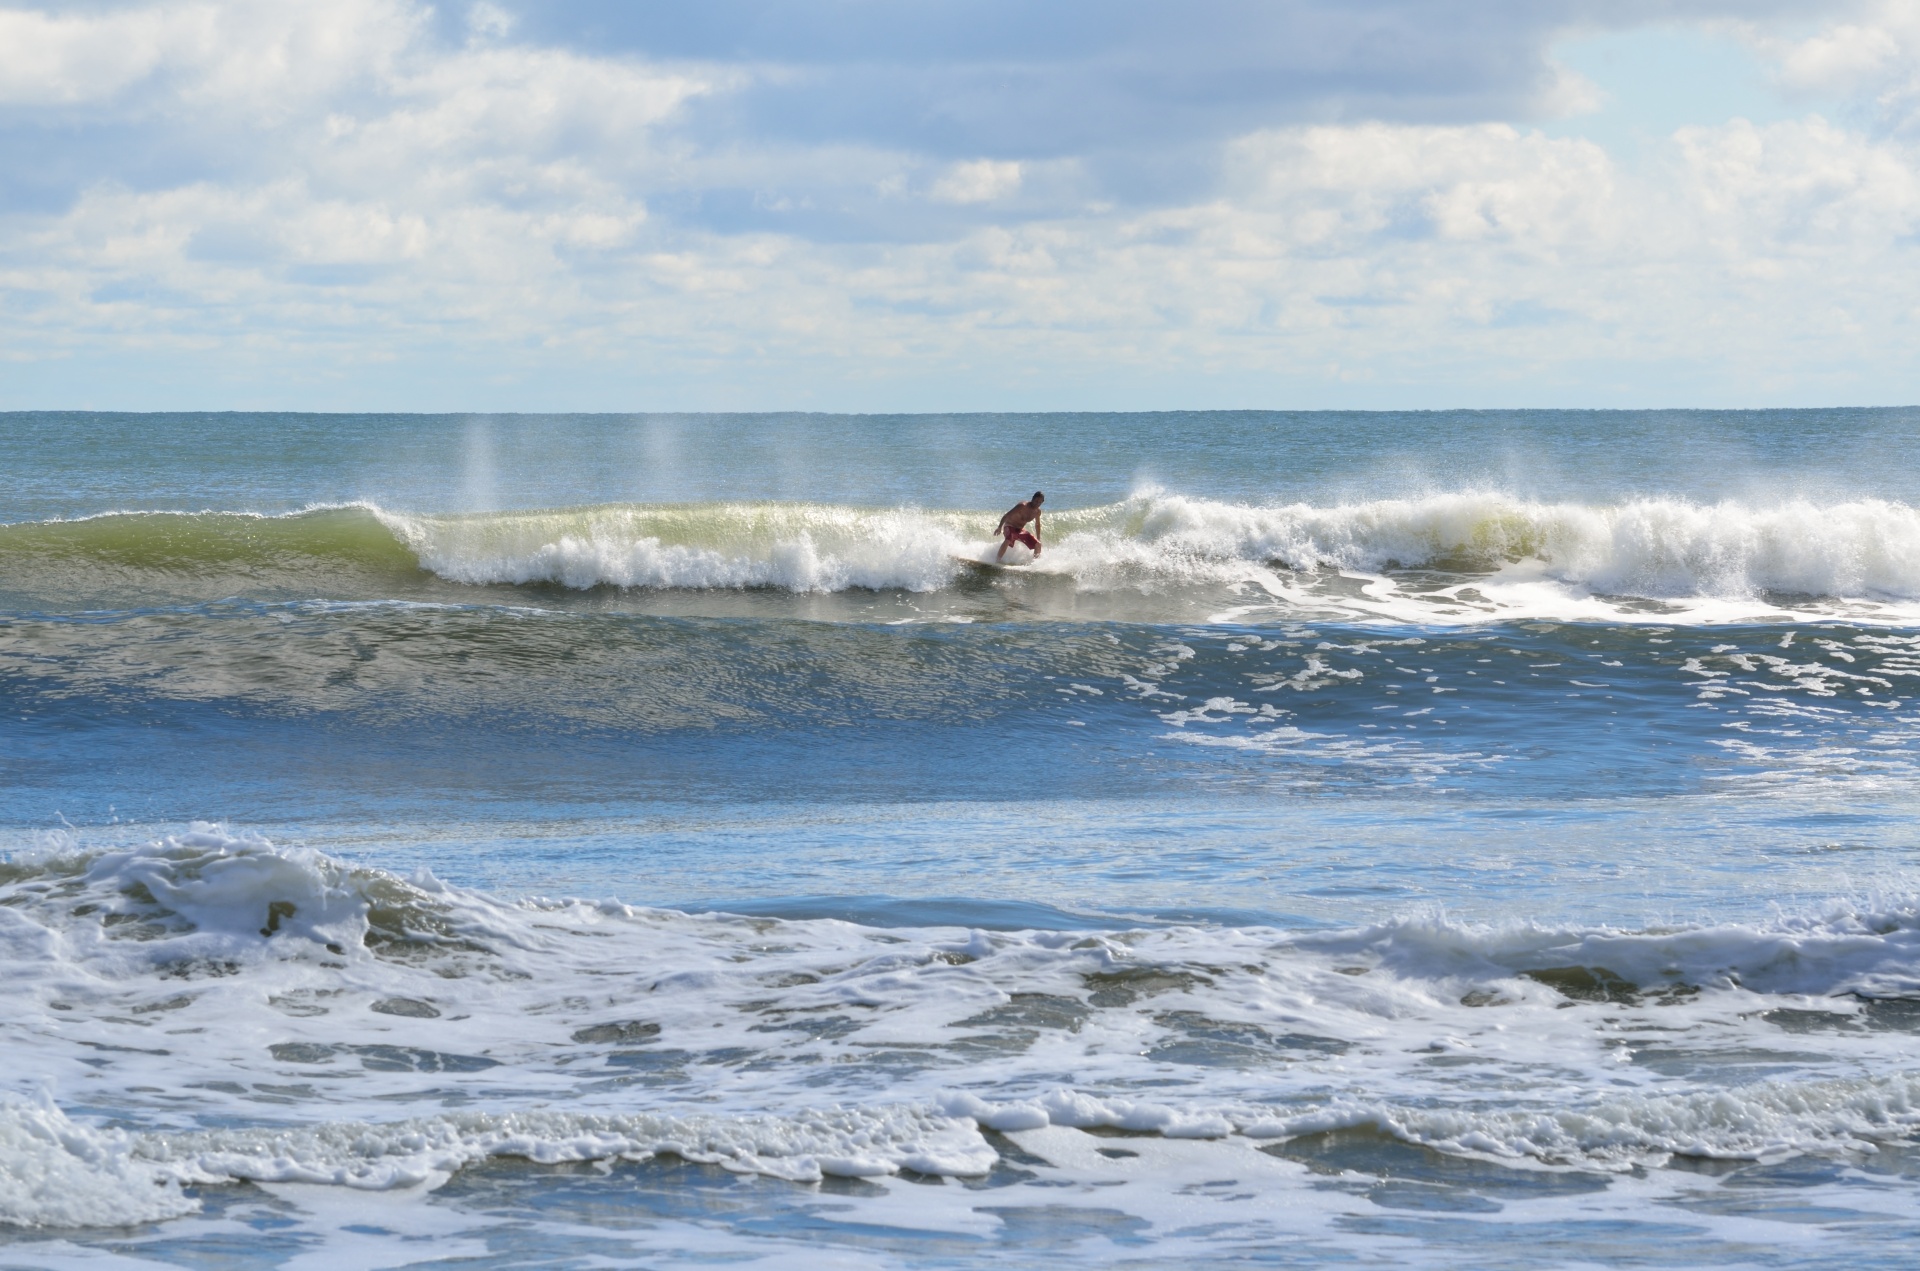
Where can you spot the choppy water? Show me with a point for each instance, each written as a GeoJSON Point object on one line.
{"type": "Point", "coordinates": [1457, 839]}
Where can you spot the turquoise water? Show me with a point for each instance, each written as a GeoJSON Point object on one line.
{"type": "Point", "coordinates": [1434, 837]}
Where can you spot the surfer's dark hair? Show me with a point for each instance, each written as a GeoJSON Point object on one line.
{"type": "Point", "coordinates": [1038, 497]}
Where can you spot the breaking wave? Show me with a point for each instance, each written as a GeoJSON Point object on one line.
{"type": "Point", "coordinates": [1656, 548]}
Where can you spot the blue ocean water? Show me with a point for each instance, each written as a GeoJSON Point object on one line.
{"type": "Point", "coordinates": [1458, 838]}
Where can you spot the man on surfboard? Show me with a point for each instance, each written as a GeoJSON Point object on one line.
{"type": "Point", "coordinates": [1013, 526]}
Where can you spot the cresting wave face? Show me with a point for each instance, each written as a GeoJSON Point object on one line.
{"type": "Point", "coordinates": [413, 1029]}
{"type": "Point", "coordinates": [1444, 558]}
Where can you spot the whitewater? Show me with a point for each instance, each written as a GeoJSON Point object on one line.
{"type": "Point", "coordinates": [1470, 839]}
{"type": "Point", "coordinates": [1462, 557]}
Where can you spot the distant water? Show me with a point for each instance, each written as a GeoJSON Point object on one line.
{"type": "Point", "coordinates": [1459, 839]}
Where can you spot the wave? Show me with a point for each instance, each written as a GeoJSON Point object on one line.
{"type": "Point", "coordinates": [1660, 548]}
{"type": "Point", "coordinates": [208, 896]}
{"type": "Point", "coordinates": [57, 1173]}
{"type": "Point", "coordinates": [352, 536]}
{"type": "Point", "coordinates": [1651, 548]}
{"type": "Point", "coordinates": [801, 1049]}
{"type": "Point", "coordinates": [1773, 1119]}
{"type": "Point", "coordinates": [794, 547]}
{"type": "Point", "coordinates": [1768, 1120]}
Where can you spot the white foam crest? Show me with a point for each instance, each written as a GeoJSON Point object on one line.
{"type": "Point", "coordinates": [55, 1173]}
{"type": "Point", "coordinates": [803, 1147]}
{"type": "Point", "coordinates": [1762, 1121]}
{"type": "Point", "coordinates": [1869, 947]}
{"type": "Point", "coordinates": [1656, 547]}
{"type": "Point", "coordinates": [1557, 558]}
{"type": "Point", "coordinates": [1081, 1111]}
{"type": "Point", "coordinates": [1765, 1120]}
{"type": "Point", "coordinates": [797, 547]}
{"type": "Point", "coordinates": [207, 895]}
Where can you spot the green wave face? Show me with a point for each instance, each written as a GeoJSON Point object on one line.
{"type": "Point", "coordinates": [197, 542]}
{"type": "Point", "coordinates": [137, 558]}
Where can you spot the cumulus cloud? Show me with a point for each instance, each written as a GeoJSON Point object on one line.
{"type": "Point", "coordinates": [1877, 55]}
{"type": "Point", "coordinates": [46, 59]}
{"type": "Point", "coordinates": [981, 181]}
{"type": "Point", "coordinates": [763, 204]}
{"type": "Point", "coordinates": [338, 135]}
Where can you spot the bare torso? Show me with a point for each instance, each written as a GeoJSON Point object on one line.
{"type": "Point", "coordinates": [1017, 518]}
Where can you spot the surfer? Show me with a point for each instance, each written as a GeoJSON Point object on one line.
{"type": "Point", "coordinates": [1013, 526]}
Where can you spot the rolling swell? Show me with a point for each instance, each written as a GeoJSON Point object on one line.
{"type": "Point", "coordinates": [1656, 548]}
{"type": "Point", "coordinates": [467, 699]}
{"type": "Point", "coordinates": [192, 542]}
{"type": "Point", "coordinates": [125, 559]}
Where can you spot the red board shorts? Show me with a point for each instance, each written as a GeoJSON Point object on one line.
{"type": "Point", "coordinates": [1021, 536]}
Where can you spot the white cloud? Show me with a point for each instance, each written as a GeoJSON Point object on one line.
{"type": "Point", "coordinates": [981, 181]}
{"type": "Point", "coordinates": [1846, 57]}
{"type": "Point", "coordinates": [1875, 57]}
{"type": "Point", "coordinates": [364, 190]}
{"type": "Point", "coordinates": [266, 57]}
{"type": "Point", "coordinates": [65, 60]}
{"type": "Point", "coordinates": [489, 21]}
{"type": "Point", "coordinates": [1801, 188]}
{"type": "Point", "coordinates": [1572, 94]}
{"type": "Point", "coordinates": [357, 142]}
{"type": "Point", "coordinates": [1479, 182]}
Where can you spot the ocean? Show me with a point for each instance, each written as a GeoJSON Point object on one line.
{"type": "Point", "coordinates": [1453, 839]}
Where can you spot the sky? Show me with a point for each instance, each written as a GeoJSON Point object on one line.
{"type": "Point", "coordinates": [934, 205]}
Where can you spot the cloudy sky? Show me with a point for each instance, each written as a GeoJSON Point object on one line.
{"type": "Point", "coordinates": [958, 204]}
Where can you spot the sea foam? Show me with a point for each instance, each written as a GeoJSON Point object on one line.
{"type": "Point", "coordinates": [1650, 547]}
{"type": "Point", "coordinates": [57, 1173]}
{"type": "Point", "coordinates": [810, 1048]}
